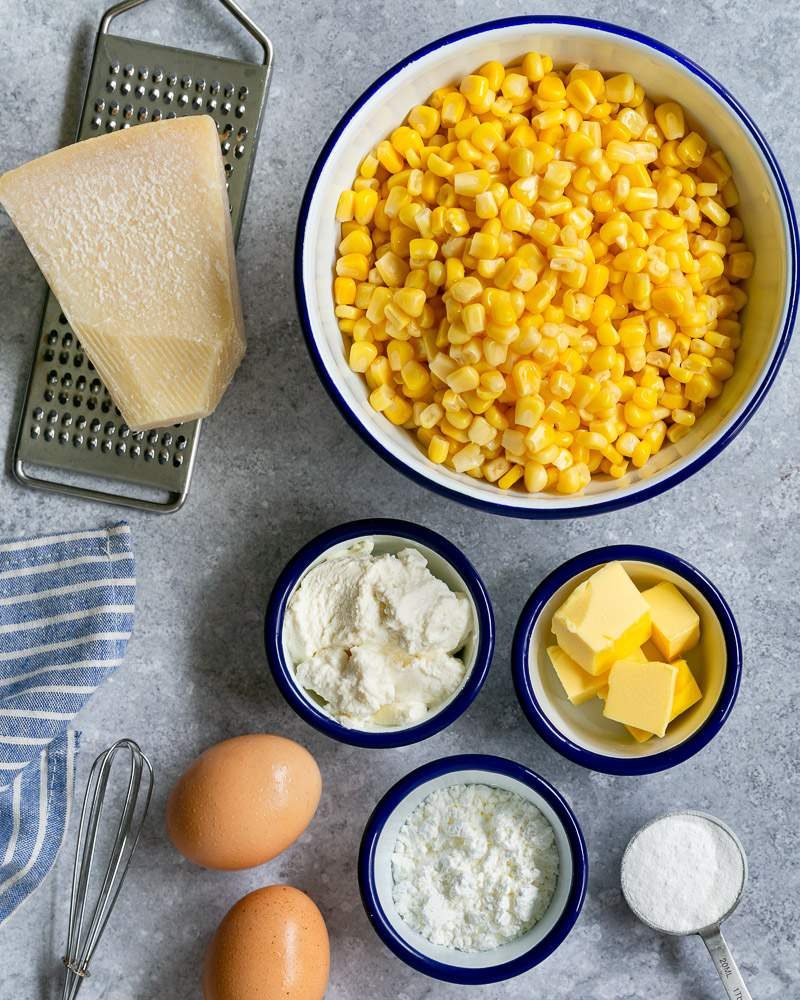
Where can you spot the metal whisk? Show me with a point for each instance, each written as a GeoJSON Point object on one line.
{"type": "Point", "coordinates": [87, 923]}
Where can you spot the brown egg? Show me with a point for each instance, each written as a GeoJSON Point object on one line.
{"type": "Point", "coordinates": [272, 945]}
{"type": "Point", "coordinates": [243, 801]}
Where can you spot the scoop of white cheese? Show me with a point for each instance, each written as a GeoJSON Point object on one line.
{"type": "Point", "coordinates": [373, 636]}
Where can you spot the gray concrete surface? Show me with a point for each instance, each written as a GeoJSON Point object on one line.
{"type": "Point", "coordinates": [277, 464]}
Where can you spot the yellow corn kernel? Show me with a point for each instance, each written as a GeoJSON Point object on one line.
{"type": "Point", "coordinates": [528, 411]}
{"type": "Point", "coordinates": [415, 378]}
{"type": "Point", "coordinates": [362, 355]}
{"type": "Point", "coordinates": [468, 457]}
{"type": "Point", "coordinates": [573, 479]}
{"type": "Point", "coordinates": [399, 411]}
{"type": "Point", "coordinates": [526, 378]}
{"type": "Point", "coordinates": [714, 211]}
{"type": "Point", "coordinates": [580, 96]}
{"type": "Point", "coordinates": [345, 206]}
{"type": "Point", "coordinates": [551, 88]}
{"type": "Point", "coordinates": [620, 88]}
{"type": "Point", "coordinates": [364, 204]}
{"type": "Point", "coordinates": [381, 397]}
{"type": "Point", "coordinates": [634, 259]}
{"type": "Point", "coordinates": [535, 477]}
{"type": "Point", "coordinates": [692, 149]}
{"type": "Point", "coordinates": [438, 449]}
{"type": "Point", "coordinates": [535, 65]}
{"type": "Point", "coordinates": [388, 157]}
{"type": "Point", "coordinates": [645, 398]}
{"type": "Point", "coordinates": [483, 246]}
{"type": "Point", "coordinates": [669, 300]}
{"type": "Point", "coordinates": [410, 300]}
{"type": "Point", "coordinates": [431, 415]}
{"type": "Point", "coordinates": [507, 480]}
{"type": "Point", "coordinates": [669, 118]}
{"type": "Point", "coordinates": [353, 265]}
{"type": "Point", "coordinates": [676, 432]}
{"type": "Point", "coordinates": [344, 291]}
{"type": "Point", "coordinates": [464, 379]}
{"type": "Point", "coordinates": [425, 120]}
{"type": "Point", "coordinates": [399, 352]}
{"type": "Point", "coordinates": [641, 453]}
{"type": "Point", "coordinates": [474, 88]}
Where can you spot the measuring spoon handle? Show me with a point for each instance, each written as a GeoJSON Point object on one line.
{"type": "Point", "coordinates": [726, 967]}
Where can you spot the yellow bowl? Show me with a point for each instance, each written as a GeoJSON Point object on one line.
{"type": "Point", "coordinates": [581, 732]}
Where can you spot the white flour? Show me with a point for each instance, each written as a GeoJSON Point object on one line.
{"type": "Point", "coordinates": [474, 867]}
{"type": "Point", "coordinates": [682, 873]}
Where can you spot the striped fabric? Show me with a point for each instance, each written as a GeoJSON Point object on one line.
{"type": "Point", "coordinates": [66, 614]}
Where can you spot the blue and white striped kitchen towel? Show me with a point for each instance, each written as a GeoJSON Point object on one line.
{"type": "Point", "coordinates": [66, 614]}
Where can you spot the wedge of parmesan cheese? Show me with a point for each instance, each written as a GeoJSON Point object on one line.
{"type": "Point", "coordinates": [132, 232]}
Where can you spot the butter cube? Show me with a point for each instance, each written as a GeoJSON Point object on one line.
{"type": "Point", "coordinates": [638, 656]}
{"type": "Point", "coordinates": [687, 690]}
{"type": "Point", "coordinates": [578, 685]}
{"type": "Point", "coordinates": [641, 695]}
{"type": "Point", "coordinates": [676, 625]}
{"type": "Point", "coordinates": [603, 620]}
{"type": "Point", "coordinates": [687, 693]}
{"type": "Point", "coordinates": [640, 735]}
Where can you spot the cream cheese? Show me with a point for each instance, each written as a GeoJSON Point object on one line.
{"type": "Point", "coordinates": [374, 637]}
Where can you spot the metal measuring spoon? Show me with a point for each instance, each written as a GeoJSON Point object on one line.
{"type": "Point", "coordinates": [711, 933]}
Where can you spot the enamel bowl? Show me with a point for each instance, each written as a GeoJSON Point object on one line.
{"type": "Point", "coordinates": [444, 561]}
{"type": "Point", "coordinates": [581, 732]}
{"type": "Point", "coordinates": [765, 208]}
{"type": "Point", "coordinates": [448, 964]}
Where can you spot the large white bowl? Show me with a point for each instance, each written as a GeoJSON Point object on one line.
{"type": "Point", "coordinates": [765, 208]}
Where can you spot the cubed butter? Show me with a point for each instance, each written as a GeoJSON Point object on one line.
{"type": "Point", "coordinates": [579, 686]}
{"type": "Point", "coordinates": [638, 656]}
{"type": "Point", "coordinates": [676, 625]}
{"type": "Point", "coordinates": [687, 693]}
{"type": "Point", "coordinates": [641, 695]}
{"type": "Point", "coordinates": [687, 690]}
{"type": "Point", "coordinates": [603, 620]}
{"type": "Point", "coordinates": [640, 735]}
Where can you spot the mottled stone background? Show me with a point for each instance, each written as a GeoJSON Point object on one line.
{"type": "Point", "coordinates": [277, 464]}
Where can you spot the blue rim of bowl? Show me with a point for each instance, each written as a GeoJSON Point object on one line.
{"type": "Point", "coordinates": [624, 499]}
{"type": "Point", "coordinates": [288, 580]}
{"type": "Point", "coordinates": [538, 717]}
{"type": "Point", "coordinates": [454, 973]}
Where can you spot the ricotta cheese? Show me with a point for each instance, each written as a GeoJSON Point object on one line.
{"type": "Point", "coordinates": [474, 867]}
{"type": "Point", "coordinates": [375, 637]}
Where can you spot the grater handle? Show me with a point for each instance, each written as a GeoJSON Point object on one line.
{"type": "Point", "coordinates": [230, 5]}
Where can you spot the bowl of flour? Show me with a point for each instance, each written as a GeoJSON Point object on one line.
{"type": "Point", "coordinates": [473, 869]}
{"type": "Point", "coordinates": [379, 633]}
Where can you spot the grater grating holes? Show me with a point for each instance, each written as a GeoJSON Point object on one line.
{"type": "Point", "coordinates": [78, 408]}
{"type": "Point", "coordinates": [230, 151]}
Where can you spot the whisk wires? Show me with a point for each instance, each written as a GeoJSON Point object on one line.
{"type": "Point", "coordinates": [87, 920]}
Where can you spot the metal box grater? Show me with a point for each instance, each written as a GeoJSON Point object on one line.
{"type": "Point", "coordinates": [69, 423]}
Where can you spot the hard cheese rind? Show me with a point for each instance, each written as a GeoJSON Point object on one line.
{"type": "Point", "coordinates": [132, 231]}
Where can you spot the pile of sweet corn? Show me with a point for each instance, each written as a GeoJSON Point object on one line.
{"type": "Point", "coordinates": [539, 275]}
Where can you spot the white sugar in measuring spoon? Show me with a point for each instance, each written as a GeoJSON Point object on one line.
{"type": "Point", "coordinates": [684, 873]}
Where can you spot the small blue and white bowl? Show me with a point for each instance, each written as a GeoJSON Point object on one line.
{"type": "Point", "coordinates": [581, 732]}
{"type": "Point", "coordinates": [765, 208]}
{"type": "Point", "coordinates": [448, 964]}
{"type": "Point", "coordinates": [447, 563]}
